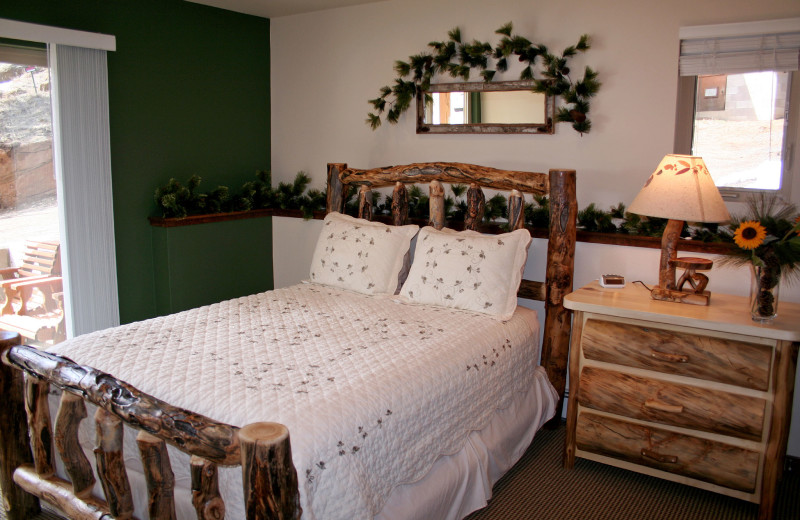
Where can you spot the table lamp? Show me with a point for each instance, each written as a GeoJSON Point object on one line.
{"type": "Point", "coordinates": [681, 189]}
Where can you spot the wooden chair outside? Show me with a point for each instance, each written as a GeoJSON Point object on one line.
{"type": "Point", "coordinates": [37, 279]}
{"type": "Point", "coordinates": [40, 270]}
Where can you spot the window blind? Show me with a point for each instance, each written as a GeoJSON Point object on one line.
{"type": "Point", "coordinates": [739, 48]}
{"type": "Point", "coordinates": [82, 159]}
{"type": "Point", "coordinates": [23, 55]}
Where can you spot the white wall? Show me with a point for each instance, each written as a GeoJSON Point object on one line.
{"type": "Point", "coordinates": [326, 65]}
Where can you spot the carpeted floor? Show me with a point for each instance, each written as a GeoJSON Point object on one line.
{"type": "Point", "coordinates": [538, 487]}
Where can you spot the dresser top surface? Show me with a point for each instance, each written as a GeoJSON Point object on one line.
{"type": "Point", "coordinates": [725, 313]}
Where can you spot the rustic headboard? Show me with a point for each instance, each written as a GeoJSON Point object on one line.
{"type": "Point", "coordinates": [559, 185]}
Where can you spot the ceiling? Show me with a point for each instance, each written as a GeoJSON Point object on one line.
{"type": "Point", "coordinates": [277, 8]}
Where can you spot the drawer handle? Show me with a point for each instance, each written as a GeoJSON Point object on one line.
{"type": "Point", "coordinates": [655, 404]}
{"type": "Point", "coordinates": [672, 358]}
{"type": "Point", "coordinates": [666, 459]}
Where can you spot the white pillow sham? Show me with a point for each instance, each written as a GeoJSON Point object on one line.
{"type": "Point", "coordinates": [362, 256]}
{"type": "Point", "coordinates": [468, 270]}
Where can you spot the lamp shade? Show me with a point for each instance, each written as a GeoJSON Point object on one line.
{"type": "Point", "coordinates": [681, 189]}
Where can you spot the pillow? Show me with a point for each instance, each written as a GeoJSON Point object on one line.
{"type": "Point", "coordinates": [363, 256]}
{"type": "Point", "coordinates": [468, 270]}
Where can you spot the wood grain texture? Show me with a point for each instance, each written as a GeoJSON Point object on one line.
{"type": "Point", "coordinates": [14, 447]}
{"type": "Point", "coordinates": [685, 296]}
{"type": "Point", "coordinates": [651, 399]}
{"type": "Point", "coordinates": [41, 433]}
{"type": "Point", "coordinates": [575, 389]}
{"type": "Point", "coordinates": [365, 202]}
{"type": "Point", "coordinates": [676, 352]}
{"type": "Point", "coordinates": [399, 204]}
{"type": "Point", "coordinates": [702, 459]}
{"type": "Point", "coordinates": [476, 205]}
{"type": "Point", "coordinates": [158, 475]}
{"type": "Point", "coordinates": [190, 432]}
{"type": "Point", "coordinates": [704, 369]}
{"type": "Point", "coordinates": [669, 251]}
{"type": "Point", "coordinates": [205, 490]}
{"type": "Point", "coordinates": [71, 412]}
{"type": "Point", "coordinates": [532, 290]}
{"type": "Point", "coordinates": [58, 492]}
{"type": "Point", "coordinates": [268, 474]}
{"type": "Point", "coordinates": [436, 205]}
{"type": "Point", "coordinates": [726, 314]}
{"type": "Point", "coordinates": [455, 173]}
{"type": "Point", "coordinates": [516, 210]}
{"type": "Point", "coordinates": [783, 382]}
{"type": "Point", "coordinates": [335, 195]}
{"type": "Point", "coordinates": [111, 464]}
{"type": "Point", "coordinates": [560, 269]}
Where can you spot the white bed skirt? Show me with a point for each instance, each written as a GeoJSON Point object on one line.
{"type": "Point", "coordinates": [461, 483]}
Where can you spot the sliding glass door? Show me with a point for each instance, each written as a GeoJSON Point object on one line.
{"type": "Point", "coordinates": [31, 298]}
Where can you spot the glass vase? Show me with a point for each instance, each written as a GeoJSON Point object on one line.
{"type": "Point", "coordinates": [764, 287]}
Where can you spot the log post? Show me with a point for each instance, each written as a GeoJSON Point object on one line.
{"type": "Point", "coordinates": [436, 205]}
{"type": "Point", "coordinates": [71, 412]}
{"type": "Point", "coordinates": [516, 210]}
{"type": "Point", "coordinates": [335, 196]}
{"type": "Point", "coordinates": [399, 204]}
{"type": "Point", "coordinates": [14, 447]}
{"type": "Point", "coordinates": [476, 204]}
{"type": "Point", "coordinates": [205, 490]}
{"type": "Point", "coordinates": [159, 476]}
{"type": "Point", "coordinates": [560, 270]}
{"type": "Point", "coordinates": [111, 464]}
{"type": "Point", "coordinates": [365, 202]}
{"type": "Point", "coordinates": [38, 408]}
{"type": "Point", "coordinates": [268, 474]}
{"type": "Point", "coordinates": [58, 492]}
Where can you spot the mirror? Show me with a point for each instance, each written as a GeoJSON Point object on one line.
{"type": "Point", "coordinates": [504, 107]}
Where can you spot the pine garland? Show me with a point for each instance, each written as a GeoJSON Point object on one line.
{"type": "Point", "coordinates": [178, 201]}
{"type": "Point", "coordinates": [457, 59]}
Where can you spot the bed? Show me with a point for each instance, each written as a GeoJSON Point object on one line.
{"type": "Point", "coordinates": [383, 404]}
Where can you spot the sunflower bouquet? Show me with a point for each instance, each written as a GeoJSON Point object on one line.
{"type": "Point", "coordinates": [766, 237]}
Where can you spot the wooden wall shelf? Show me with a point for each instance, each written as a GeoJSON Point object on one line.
{"type": "Point", "coordinates": [616, 239]}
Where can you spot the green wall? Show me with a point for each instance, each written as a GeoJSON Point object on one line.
{"type": "Point", "coordinates": [189, 94]}
{"type": "Point", "coordinates": [183, 253]}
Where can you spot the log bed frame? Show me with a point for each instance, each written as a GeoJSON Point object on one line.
{"type": "Point", "coordinates": [263, 450]}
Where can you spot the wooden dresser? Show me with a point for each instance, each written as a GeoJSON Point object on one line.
{"type": "Point", "coordinates": [694, 394]}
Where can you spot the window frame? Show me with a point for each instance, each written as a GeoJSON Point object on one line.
{"type": "Point", "coordinates": [684, 134]}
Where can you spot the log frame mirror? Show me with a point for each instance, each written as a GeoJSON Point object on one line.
{"type": "Point", "coordinates": [484, 108]}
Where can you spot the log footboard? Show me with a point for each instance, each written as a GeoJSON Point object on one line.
{"type": "Point", "coordinates": [26, 459]}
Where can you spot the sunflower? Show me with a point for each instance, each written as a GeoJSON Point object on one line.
{"type": "Point", "coordinates": [750, 234]}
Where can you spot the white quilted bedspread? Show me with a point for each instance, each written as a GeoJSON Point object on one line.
{"type": "Point", "coordinates": [372, 391]}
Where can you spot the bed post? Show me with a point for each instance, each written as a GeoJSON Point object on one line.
{"type": "Point", "coordinates": [335, 197]}
{"type": "Point", "coordinates": [15, 449]}
{"type": "Point", "coordinates": [560, 270]}
{"type": "Point", "coordinates": [269, 478]}
{"type": "Point", "coordinates": [399, 204]}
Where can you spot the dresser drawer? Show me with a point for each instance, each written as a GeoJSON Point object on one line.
{"type": "Point", "coordinates": [709, 461]}
{"type": "Point", "coordinates": [714, 359]}
{"type": "Point", "coordinates": [688, 406]}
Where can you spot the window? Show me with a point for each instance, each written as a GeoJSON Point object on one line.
{"type": "Point", "coordinates": [735, 102]}
{"type": "Point", "coordinates": [82, 160]}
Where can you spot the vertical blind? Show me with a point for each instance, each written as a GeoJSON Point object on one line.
{"type": "Point", "coordinates": [82, 157]}
{"type": "Point", "coordinates": [739, 48]}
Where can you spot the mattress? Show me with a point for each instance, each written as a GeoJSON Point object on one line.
{"type": "Point", "coordinates": [373, 392]}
